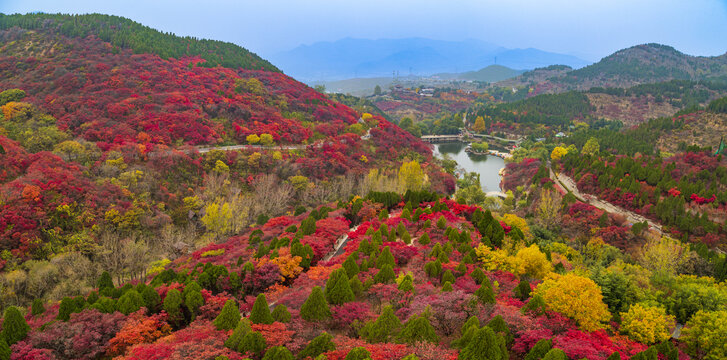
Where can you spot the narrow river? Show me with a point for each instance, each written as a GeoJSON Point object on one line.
{"type": "Point", "coordinates": [486, 165]}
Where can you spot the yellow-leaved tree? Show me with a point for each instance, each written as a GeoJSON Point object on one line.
{"type": "Point", "coordinates": [217, 218]}
{"type": "Point", "coordinates": [479, 125]}
{"type": "Point", "coordinates": [576, 297]}
{"type": "Point", "coordinates": [534, 262]}
{"type": "Point", "coordinates": [520, 223]}
{"type": "Point", "coordinates": [647, 324]}
{"type": "Point", "coordinates": [411, 176]}
{"type": "Point", "coordinates": [665, 255]}
{"type": "Point", "coordinates": [558, 153]}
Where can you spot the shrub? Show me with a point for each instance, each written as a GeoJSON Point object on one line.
{"type": "Point", "coordinates": [351, 267]}
{"type": "Point", "coordinates": [555, 354]}
{"type": "Point", "coordinates": [358, 353]}
{"type": "Point", "coordinates": [539, 350]}
{"type": "Point", "coordinates": [130, 302]}
{"type": "Point", "coordinates": [338, 289]}
{"type": "Point", "coordinates": [315, 307]}
{"type": "Point", "coordinates": [485, 294]}
{"type": "Point", "coordinates": [234, 342]}
{"type": "Point", "coordinates": [320, 344]}
{"type": "Point", "coordinates": [105, 282]}
{"type": "Point", "coordinates": [253, 342]}
{"type": "Point", "coordinates": [4, 350]}
{"type": "Point", "coordinates": [385, 258]}
{"type": "Point", "coordinates": [37, 307]}
{"type": "Point", "coordinates": [424, 239]}
{"type": "Point", "coordinates": [281, 314]}
{"type": "Point", "coordinates": [173, 306]}
{"type": "Point", "coordinates": [406, 284]}
{"type": "Point", "coordinates": [385, 275]}
{"type": "Point", "coordinates": [418, 329]}
{"type": "Point", "coordinates": [442, 222]}
{"type": "Point", "coordinates": [229, 317]}
{"type": "Point", "coordinates": [485, 345]}
{"type": "Point", "coordinates": [151, 299]}
{"type": "Point", "coordinates": [386, 326]}
{"type": "Point", "coordinates": [647, 325]}
{"type": "Point", "coordinates": [67, 307]}
{"type": "Point", "coordinates": [260, 313]}
{"type": "Point", "coordinates": [522, 291]}
{"type": "Point", "coordinates": [14, 326]}
{"type": "Point", "coordinates": [278, 353]}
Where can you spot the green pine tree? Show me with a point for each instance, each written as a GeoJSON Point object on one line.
{"type": "Point", "coordinates": [356, 285]}
{"type": "Point", "coordinates": [424, 239]}
{"type": "Point", "coordinates": [386, 258]}
{"type": "Point", "coordinates": [418, 329]}
{"type": "Point", "coordinates": [447, 287]}
{"type": "Point", "coordinates": [278, 353]}
{"type": "Point", "coordinates": [281, 314]}
{"type": "Point", "coordinates": [105, 282]}
{"type": "Point", "coordinates": [522, 291]}
{"type": "Point", "coordinates": [386, 326]}
{"type": "Point", "coordinates": [358, 353]}
{"type": "Point", "coordinates": [500, 327]}
{"type": "Point", "coordinates": [385, 275]}
{"type": "Point", "coordinates": [4, 349]}
{"type": "Point", "coordinates": [539, 349]}
{"type": "Point", "coordinates": [442, 222]}
{"type": "Point", "coordinates": [253, 342]}
{"type": "Point", "coordinates": [339, 291]}
{"type": "Point", "coordinates": [485, 345]}
{"type": "Point", "coordinates": [315, 307]}
{"type": "Point", "coordinates": [648, 354]}
{"type": "Point", "coordinates": [37, 307]}
{"type": "Point", "coordinates": [194, 301]}
{"type": "Point", "coordinates": [130, 302]}
{"type": "Point", "coordinates": [14, 326]}
{"type": "Point", "coordinates": [67, 307]}
{"type": "Point", "coordinates": [485, 293]}
{"type": "Point", "coordinates": [615, 356]}
{"type": "Point", "coordinates": [433, 268]}
{"type": "Point", "coordinates": [243, 327]}
{"type": "Point", "coordinates": [351, 267]}
{"type": "Point", "coordinates": [406, 284]}
{"type": "Point", "coordinates": [173, 306]}
{"type": "Point", "coordinates": [320, 344]}
{"type": "Point", "coordinates": [557, 354]}
{"type": "Point", "coordinates": [536, 305]}
{"type": "Point", "coordinates": [260, 313]}
{"type": "Point", "coordinates": [448, 276]}
{"type": "Point", "coordinates": [151, 299]}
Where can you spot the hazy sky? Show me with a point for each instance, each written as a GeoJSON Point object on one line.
{"type": "Point", "coordinates": [590, 29]}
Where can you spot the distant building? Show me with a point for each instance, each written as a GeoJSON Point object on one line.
{"type": "Point", "coordinates": [540, 139]}
{"type": "Point", "coordinates": [560, 134]}
{"type": "Point", "coordinates": [426, 92]}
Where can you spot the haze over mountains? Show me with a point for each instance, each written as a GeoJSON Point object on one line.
{"type": "Point", "coordinates": [357, 58]}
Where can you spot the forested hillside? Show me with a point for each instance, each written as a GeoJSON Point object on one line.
{"type": "Point", "coordinates": [127, 34]}
{"type": "Point", "coordinates": [174, 198]}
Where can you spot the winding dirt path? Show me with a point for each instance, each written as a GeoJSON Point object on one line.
{"type": "Point", "coordinates": [570, 185]}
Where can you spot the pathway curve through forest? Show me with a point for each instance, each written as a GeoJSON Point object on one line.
{"type": "Point", "coordinates": [570, 185]}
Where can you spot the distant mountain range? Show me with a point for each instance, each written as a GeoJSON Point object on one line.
{"type": "Point", "coordinates": [365, 86]}
{"type": "Point", "coordinates": [359, 58]}
{"type": "Point", "coordinates": [641, 64]}
{"type": "Point", "coordinates": [491, 73]}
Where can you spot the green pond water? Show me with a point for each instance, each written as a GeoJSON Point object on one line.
{"type": "Point", "coordinates": [486, 165]}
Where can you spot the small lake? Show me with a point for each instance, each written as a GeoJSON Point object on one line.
{"type": "Point", "coordinates": [486, 165]}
